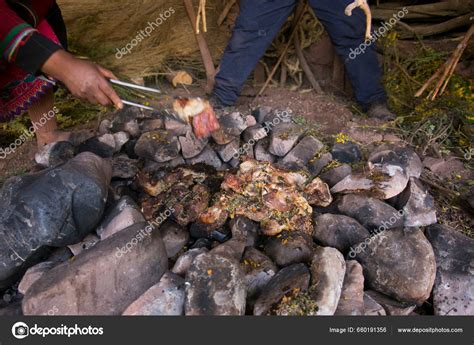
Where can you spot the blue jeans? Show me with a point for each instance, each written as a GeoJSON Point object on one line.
{"type": "Point", "coordinates": [260, 21]}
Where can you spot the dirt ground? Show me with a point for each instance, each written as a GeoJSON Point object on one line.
{"type": "Point", "coordinates": [328, 115]}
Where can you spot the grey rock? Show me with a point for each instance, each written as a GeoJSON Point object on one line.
{"type": "Point", "coordinates": [258, 270]}
{"type": "Point", "coordinates": [87, 243]}
{"type": "Point", "coordinates": [403, 157]}
{"type": "Point", "coordinates": [254, 134]}
{"type": "Point", "coordinates": [176, 126]}
{"type": "Point", "coordinates": [124, 167]}
{"type": "Point", "coordinates": [159, 146]}
{"type": "Point", "coordinates": [55, 208]}
{"type": "Point", "coordinates": [391, 307]}
{"type": "Point", "coordinates": [223, 138]}
{"type": "Point", "coordinates": [316, 166]}
{"type": "Point", "coordinates": [338, 231]}
{"type": "Point", "coordinates": [215, 286]}
{"type": "Point", "coordinates": [261, 112]}
{"type": "Point", "coordinates": [372, 213]}
{"type": "Point", "coordinates": [105, 126]}
{"type": "Point", "coordinates": [346, 152]}
{"type": "Point", "coordinates": [288, 279]}
{"type": "Point", "coordinates": [229, 151]}
{"type": "Point", "coordinates": [183, 263]}
{"type": "Point", "coordinates": [397, 256]}
{"type": "Point", "coordinates": [289, 248]}
{"type": "Point", "coordinates": [261, 151]}
{"type": "Point", "coordinates": [233, 248]}
{"type": "Point", "coordinates": [151, 166]}
{"type": "Point", "coordinates": [335, 175]}
{"type": "Point", "coordinates": [152, 125]}
{"type": "Point", "coordinates": [120, 138]}
{"type": "Point", "coordinates": [233, 124]}
{"type": "Point", "coordinates": [191, 146]}
{"type": "Point", "coordinates": [163, 299]}
{"type": "Point", "coordinates": [208, 156]}
{"type": "Point", "coordinates": [122, 215]}
{"type": "Point", "coordinates": [103, 146]}
{"type": "Point", "coordinates": [352, 295]}
{"type": "Point", "coordinates": [453, 292]}
{"type": "Point", "coordinates": [327, 277]}
{"type": "Point", "coordinates": [55, 154]}
{"type": "Point", "coordinates": [303, 152]}
{"type": "Point", "coordinates": [175, 237]}
{"type": "Point", "coordinates": [372, 307]}
{"type": "Point", "coordinates": [245, 230]}
{"type": "Point", "coordinates": [33, 274]}
{"type": "Point", "coordinates": [126, 120]}
{"type": "Point", "coordinates": [103, 280]}
{"type": "Point", "coordinates": [417, 205]}
{"type": "Point", "coordinates": [283, 138]}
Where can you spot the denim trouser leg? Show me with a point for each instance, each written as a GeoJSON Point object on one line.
{"type": "Point", "coordinates": [256, 27]}
{"type": "Point", "coordinates": [348, 33]}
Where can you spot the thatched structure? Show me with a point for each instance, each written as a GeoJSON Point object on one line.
{"type": "Point", "coordinates": [98, 28]}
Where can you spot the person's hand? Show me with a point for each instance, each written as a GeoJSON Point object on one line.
{"type": "Point", "coordinates": [84, 79]}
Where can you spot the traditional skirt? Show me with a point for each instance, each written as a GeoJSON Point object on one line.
{"type": "Point", "coordinates": [19, 89]}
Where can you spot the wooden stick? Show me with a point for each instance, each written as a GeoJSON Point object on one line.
{"type": "Point", "coordinates": [203, 48]}
{"type": "Point", "coordinates": [305, 66]}
{"type": "Point", "coordinates": [225, 12]}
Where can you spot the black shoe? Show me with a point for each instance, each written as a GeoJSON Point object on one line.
{"type": "Point", "coordinates": [379, 110]}
{"type": "Point", "coordinates": [218, 106]}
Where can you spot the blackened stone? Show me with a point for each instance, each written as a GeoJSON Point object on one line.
{"type": "Point", "coordinates": [159, 146]}
{"type": "Point", "coordinates": [54, 207]}
{"type": "Point", "coordinates": [335, 175]}
{"type": "Point", "coordinates": [284, 138]}
{"type": "Point", "coordinates": [103, 146]}
{"type": "Point", "coordinates": [316, 166]}
{"type": "Point", "coordinates": [403, 157]}
{"type": "Point", "coordinates": [208, 156]}
{"type": "Point", "coordinates": [103, 280]}
{"type": "Point", "coordinates": [372, 307]}
{"type": "Point", "coordinates": [261, 112]}
{"type": "Point", "coordinates": [175, 237]}
{"type": "Point", "coordinates": [352, 295]}
{"type": "Point", "coordinates": [254, 134]}
{"type": "Point", "coordinates": [191, 146]}
{"type": "Point", "coordinates": [229, 151]}
{"type": "Point", "coordinates": [287, 280]}
{"type": "Point", "coordinates": [453, 292]}
{"type": "Point", "coordinates": [346, 153]}
{"type": "Point", "coordinates": [244, 229]}
{"type": "Point", "coordinates": [124, 167]}
{"type": "Point", "coordinates": [55, 154]}
{"type": "Point", "coordinates": [261, 151]}
{"type": "Point", "coordinates": [183, 263]}
{"type": "Point", "coordinates": [152, 125]}
{"type": "Point", "coordinates": [397, 256]}
{"type": "Point", "coordinates": [122, 215]}
{"type": "Point", "coordinates": [233, 124]}
{"type": "Point", "coordinates": [327, 277]}
{"type": "Point", "coordinates": [304, 151]}
{"type": "Point", "coordinates": [258, 269]}
{"type": "Point", "coordinates": [163, 299]}
{"type": "Point", "coordinates": [417, 205]}
{"type": "Point", "coordinates": [215, 286]}
{"type": "Point", "coordinates": [151, 166]}
{"type": "Point", "coordinates": [176, 126]}
{"type": "Point", "coordinates": [390, 306]}
{"type": "Point", "coordinates": [289, 248]}
{"type": "Point", "coordinates": [126, 120]}
{"type": "Point", "coordinates": [338, 231]}
{"type": "Point", "coordinates": [372, 213]}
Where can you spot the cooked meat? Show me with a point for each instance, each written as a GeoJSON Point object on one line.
{"type": "Point", "coordinates": [199, 113]}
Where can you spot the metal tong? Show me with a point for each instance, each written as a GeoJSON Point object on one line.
{"type": "Point", "coordinates": [123, 84]}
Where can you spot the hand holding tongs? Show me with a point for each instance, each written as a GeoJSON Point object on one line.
{"type": "Point", "coordinates": [120, 83]}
